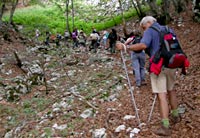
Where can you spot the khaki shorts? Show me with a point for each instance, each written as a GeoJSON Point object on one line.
{"type": "Point", "coordinates": [164, 81]}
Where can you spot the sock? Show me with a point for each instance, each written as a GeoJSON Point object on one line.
{"type": "Point", "coordinates": [174, 112]}
{"type": "Point", "coordinates": [165, 123]}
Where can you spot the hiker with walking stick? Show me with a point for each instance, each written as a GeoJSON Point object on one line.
{"type": "Point", "coordinates": [137, 59]}
{"type": "Point", "coordinates": [162, 83]}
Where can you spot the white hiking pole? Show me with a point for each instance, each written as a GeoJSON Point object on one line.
{"type": "Point", "coordinates": [131, 90]}
{"type": "Point", "coordinates": [152, 107]}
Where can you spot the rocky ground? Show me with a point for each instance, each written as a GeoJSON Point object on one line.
{"type": "Point", "coordinates": [60, 92]}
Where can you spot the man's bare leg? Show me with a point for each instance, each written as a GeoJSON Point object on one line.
{"type": "Point", "coordinates": [164, 108]}
{"type": "Point", "coordinates": [173, 100]}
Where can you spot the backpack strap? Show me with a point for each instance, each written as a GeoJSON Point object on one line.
{"type": "Point", "coordinates": [160, 33]}
{"type": "Point", "coordinates": [156, 29]}
{"type": "Point", "coordinates": [167, 29]}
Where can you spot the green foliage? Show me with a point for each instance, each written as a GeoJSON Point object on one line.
{"type": "Point", "coordinates": [35, 2]}
{"type": "Point", "coordinates": [53, 19]}
{"type": "Point", "coordinates": [29, 111]}
{"type": "Point", "coordinates": [12, 115]}
{"type": "Point", "coordinates": [7, 111]}
{"type": "Point", "coordinates": [36, 103]}
{"type": "Point", "coordinates": [48, 132]}
{"type": "Point", "coordinates": [105, 95]}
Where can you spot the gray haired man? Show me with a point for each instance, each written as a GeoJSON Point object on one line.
{"type": "Point", "coordinates": [162, 84]}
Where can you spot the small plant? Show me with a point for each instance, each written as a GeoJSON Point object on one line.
{"type": "Point", "coordinates": [48, 132]}
{"type": "Point", "coordinates": [105, 95]}
{"type": "Point", "coordinates": [64, 133]}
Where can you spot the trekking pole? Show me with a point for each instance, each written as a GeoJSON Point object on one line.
{"type": "Point", "coordinates": [154, 101]}
{"type": "Point", "coordinates": [131, 90]}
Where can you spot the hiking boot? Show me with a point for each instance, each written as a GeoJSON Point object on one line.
{"type": "Point", "coordinates": [163, 131]}
{"type": "Point", "coordinates": [175, 119]}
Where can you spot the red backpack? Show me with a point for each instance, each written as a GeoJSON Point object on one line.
{"type": "Point", "coordinates": [170, 51]}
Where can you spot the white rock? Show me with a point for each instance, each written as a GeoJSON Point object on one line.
{"type": "Point", "coordinates": [48, 58]}
{"type": "Point", "coordinates": [81, 64]}
{"type": "Point", "coordinates": [112, 97]}
{"type": "Point", "coordinates": [23, 89]}
{"type": "Point", "coordinates": [128, 117]}
{"type": "Point", "coordinates": [71, 73]}
{"type": "Point", "coordinates": [63, 104]}
{"type": "Point", "coordinates": [9, 72]}
{"type": "Point", "coordinates": [55, 74]}
{"type": "Point", "coordinates": [61, 127]}
{"type": "Point", "coordinates": [142, 124]}
{"type": "Point", "coordinates": [55, 105]}
{"type": "Point", "coordinates": [132, 135]}
{"type": "Point", "coordinates": [99, 133]}
{"type": "Point", "coordinates": [1, 98]}
{"type": "Point", "coordinates": [9, 134]}
{"type": "Point", "coordinates": [119, 87]}
{"type": "Point", "coordinates": [73, 89]}
{"type": "Point", "coordinates": [43, 121]}
{"type": "Point", "coordinates": [87, 113]}
{"type": "Point", "coordinates": [56, 109]}
{"type": "Point", "coordinates": [54, 79]}
{"type": "Point", "coordinates": [111, 109]}
{"type": "Point", "coordinates": [120, 128]}
{"type": "Point", "coordinates": [133, 132]}
{"type": "Point", "coordinates": [181, 109]}
{"type": "Point", "coordinates": [128, 129]}
{"type": "Point", "coordinates": [35, 68]}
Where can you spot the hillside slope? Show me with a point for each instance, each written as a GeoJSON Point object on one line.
{"type": "Point", "coordinates": [93, 84]}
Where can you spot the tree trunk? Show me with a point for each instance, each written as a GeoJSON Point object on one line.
{"type": "Point", "coordinates": [25, 2]}
{"type": "Point", "coordinates": [142, 14]}
{"type": "Point", "coordinates": [67, 16]}
{"type": "Point", "coordinates": [72, 14]}
{"type": "Point", "coordinates": [179, 5]}
{"type": "Point", "coordinates": [196, 10]}
{"type": "Point", "coordinates": [153, 7]}
{"type": "Point", "coordinates": [14, 4]}
{"type": "Point", "coordinates": [161, 14]}
{"type": "Point", "coordinates": [2, 7]}
{"type": "Point", "coordinates": [123, 19]}
{"type": "Point", "coordinates": [135, 6]}
{"type": "Point", "coordinates": [165, 12]}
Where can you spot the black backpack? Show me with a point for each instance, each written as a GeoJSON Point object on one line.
{"type": "Point", "coordinates": [170, 50]}
{"type": "Point", "coordinates": [136, 40]}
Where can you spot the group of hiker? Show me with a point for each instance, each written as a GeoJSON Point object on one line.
{"type": "Point", "coordinates": [163, 62]}
{"type": "Point", "coordinates": [78, 38]}
{"type": "Point", "coordinates": [105, 40]}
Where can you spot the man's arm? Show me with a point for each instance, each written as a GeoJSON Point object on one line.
{"type": "Point", "coordinates": [137, 47]}
{"type": "Point", "coordinates": [128, 41]}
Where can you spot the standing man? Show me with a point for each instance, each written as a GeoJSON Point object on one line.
{"type": "Point", "coordinates": [104, 39]}
{"type": "Point", "coordinates": [94, 37]}
{"type": "Point", "coordinates": [138, 59]}
{"type": "Point", "coordinates": [48, 34]}
{"type": "Point", "coordinates": [37, 34]}
{"type": "Point", "coordinates": [66, 35]}
{"type": "Point", "coordinates": [112, 37]}
{"type": "Point", "coordinates": [163, 84]}
{"type": "Point", "coordinates": [75, 38]}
